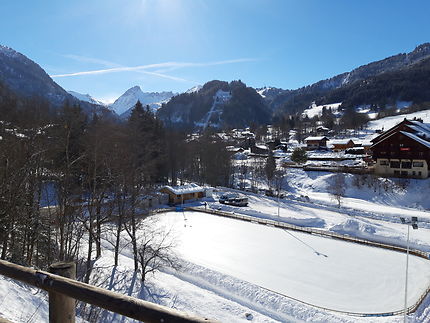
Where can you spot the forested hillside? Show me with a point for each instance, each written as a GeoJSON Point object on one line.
{"type": "Point", "coordinates": [91, 170]}
{"type": "Point", "coordinates": [242, 106]}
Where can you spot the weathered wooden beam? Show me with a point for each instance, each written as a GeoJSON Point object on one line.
{"type": "Point", "coordinates": [112, 301]}
{"type": "Point", "coordinates": [62, 308]}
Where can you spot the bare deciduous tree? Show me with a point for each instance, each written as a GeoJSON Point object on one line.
{"type": "Point", "coordinates": [155, 249]}
{"type": "Point", "coordinates": [337, 187]}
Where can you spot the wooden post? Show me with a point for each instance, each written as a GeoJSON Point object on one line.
{"type": "Point", "coordinates": [62, 308]}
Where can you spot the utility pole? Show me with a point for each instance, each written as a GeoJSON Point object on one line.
{"type": "Point", "coordinates": [414, 223]}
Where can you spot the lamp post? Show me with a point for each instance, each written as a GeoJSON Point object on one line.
{"type": "Point", "coordinates": [414, 223]}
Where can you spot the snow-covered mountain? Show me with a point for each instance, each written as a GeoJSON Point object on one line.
{"type": "Point", "coordinates": [27, 80]}
{"type": "Point", "coordinates": [85, 97]}
{"type": "Point", "coordinates": [125, 103]}
{"type": "Point", "coordinates": [194, 89]}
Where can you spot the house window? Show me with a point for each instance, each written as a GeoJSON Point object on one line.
{"type": "Point", "coordinates": [404, 173]}
{"type": "Point", "coordinates": [395, 164]}
{"type": "Point", "coordinates": [418, 164]}
{"type": "Point", "coordinates": [397, 172]}
{"type": "Point", "coordinates": [419, 173]}
{"type": "Point", "coordinates": [383, 163]}
{"type": "Point", "coordinates": [406, 165]}
{"type": "Point", "coordinates": [414, 173]}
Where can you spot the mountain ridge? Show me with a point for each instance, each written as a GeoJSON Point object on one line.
{"type": "Point", "coordinates": [295, 100]}
{"type": "Point", "coordinates": [27, 80]}
{"type": "Point", "coordinates": [126, 102]}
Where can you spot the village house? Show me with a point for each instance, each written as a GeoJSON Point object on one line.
{"type": "Point", "coordinates": [233, 149]}
{"type": "Point", "coordinates": [366, 146]}
{"type": "Point", "coordinates": [403, 150]}
{"type": "Point", "coordinates": [341, 144]}
{"type": "Point", "coordinates": [180, 194]}
{"type": "Point", "coordinates": [316, 142]}
{"type": "Point", "coordinates": [260, 150]}
{"type": "Point", "coordinates": [322, 131]}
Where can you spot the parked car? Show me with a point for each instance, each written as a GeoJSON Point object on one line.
{"type": "Point", "coordinates": [234, 199]}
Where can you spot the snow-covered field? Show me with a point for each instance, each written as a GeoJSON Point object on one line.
{"type": "Point", "coordinates": [233, 268]}
{"type": "Point", "coordinates": [316, 270]}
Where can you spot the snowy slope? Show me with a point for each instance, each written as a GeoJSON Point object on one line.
{"type": "Point", "coordinates": [194, 89]}
{"type": "Point", "coordinates": [85, 98]}
{"type": "Point", "coordinates": [263, 91]}
{"type": "Point", "coordinates": [388, 122]}
{"type": "Point", "coordinates": [126, 102]}
{"type": "Point", "coordinates": [316, 110]}
{"type": "Point", "coordinates": [213, 116]}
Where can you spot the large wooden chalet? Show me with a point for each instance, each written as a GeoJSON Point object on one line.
{"type": "Point", "coordinates": [403, 150]}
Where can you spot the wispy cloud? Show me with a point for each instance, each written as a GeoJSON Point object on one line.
{"type": "Point", "coordinates": [92, 60]}
{"type": "Point", "coordinates": [167, 66]}
{"type": "Point", "coordinates": [169, 77]}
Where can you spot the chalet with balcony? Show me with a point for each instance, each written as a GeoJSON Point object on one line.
{"type": "Point", "coordinates": [403, 150]}
{"type": "Point", "coordinates": [316, 142]}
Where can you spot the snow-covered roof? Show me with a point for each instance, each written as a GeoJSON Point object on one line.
{"type": "Point", "coordinates": [366, 143]}
{"type": "Point", "coordinates": [184, 189]}
{"type": "Point", "coordinates": [316, 138]}
{"type": "Point", "coordinates": [340, 141]}
{"type": "Point", "coordinates": [261, 146]}
{"type": "Point", "coordinates": [425, 126]}
{"type": "Point", "coordinates": [416, 138]}
{"type": "Point", "coordinates": [322, 128]}
{"type": "Point", "coordinates": [233, 148]}
{"type": "Point", "coordinates": [420, 129]}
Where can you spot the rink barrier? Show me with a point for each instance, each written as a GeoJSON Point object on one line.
{"type": "Point", "coordinates": [322, 233]}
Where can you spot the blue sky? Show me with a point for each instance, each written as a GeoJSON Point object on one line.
{"type": "Point", "coordinates": [104, 47]}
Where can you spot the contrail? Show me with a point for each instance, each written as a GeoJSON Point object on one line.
{"type": "Point", "coordinates": [169, 65]}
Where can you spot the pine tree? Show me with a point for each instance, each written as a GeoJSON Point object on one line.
{"type": "Point", "coordinates": [270, 167]}
{"type": "Point", "coordinates": [299, 156]}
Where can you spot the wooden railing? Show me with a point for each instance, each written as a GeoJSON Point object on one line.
{"type": "Point", "coordinates": [75, 290]}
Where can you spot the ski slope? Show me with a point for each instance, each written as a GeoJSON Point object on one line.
{"type": "Point", "coordinates": [324, 272]}
{"type": "Point", "coordinates": [389, 122]}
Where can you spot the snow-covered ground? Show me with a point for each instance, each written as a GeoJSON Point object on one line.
{"type": "Point", "coordinates": [388, 122]}
{"type": "Point", "coordinates": [316, 270]}
{"type": "Point", "coordinates": [234, 268]}
{"type": "Point", "coordinates": [316, 110]}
